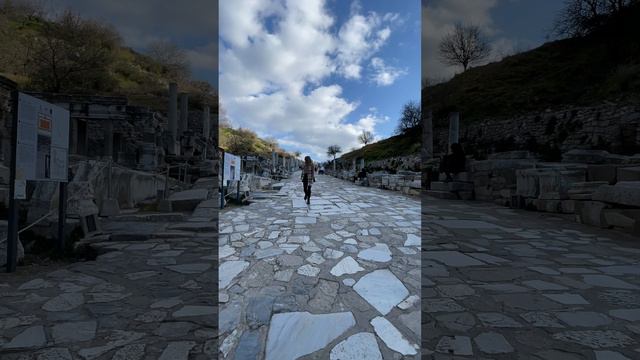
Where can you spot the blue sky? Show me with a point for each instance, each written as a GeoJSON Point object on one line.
{"type": "Point", "coordinates": [316, 73]}
{"type": "Point", "coordinates": [510, 26]}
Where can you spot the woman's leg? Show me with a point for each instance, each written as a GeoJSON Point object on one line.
{"type": "Point", "coordinates": [304, 188]}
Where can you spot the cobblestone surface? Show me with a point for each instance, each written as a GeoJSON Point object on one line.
{"type": "Point", "coordinates": [338, 279]}
{"type": "Point", "coordinates": [148, 298]}
{"type": "Point", "coordinates": [506, 284]}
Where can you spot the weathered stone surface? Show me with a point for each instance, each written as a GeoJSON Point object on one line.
{"type": "Point", "coordinates": [381, 289]}
{"type": "Point", "coordinates": [358, 346]}
{"type": "Point", "coordinates": [623, 193]}
{"type": "Point", "coordinates": [346, 266]}
{"type": "Point", "coordinates": [32, 337]}
{"type": "Point", "coordinates": [312, 332]}
{"type": "Point", "coordinates": [228, 270]}
{"type": "Point", "coordinates": [378, 253]}
{"type": "Point", "coordinates": [74, 332]}
{"type": "Point", "coordinates": [493, 343]}
{"type": "Point", "coordinates": [392, 337]}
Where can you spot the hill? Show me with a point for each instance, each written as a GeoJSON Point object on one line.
{"type": "Point", "coordinates": [399, 145]}
{"type": "Point", "coordinates": [119, 70]}
{"type": "Point", "coordinates": [578, 71]}
{"type": "Point", "coordinates": [246, 142]}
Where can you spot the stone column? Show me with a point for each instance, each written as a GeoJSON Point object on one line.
{"type": "Point", "coordinates": [353, 164]}
{"type": "Point", "coordinates": [173, 111]}
{"type": "Point", "coordinates": [74, 136]}
{"type": "Point", "coordinates": [183, 125]}
{"type": "Point", "coordinates": [108, 139]}
{"type": "Point", "coordinates": [361, 163]}
{"type": "Point", "coordinates": [173, 118]}
{"type": "Point", "coordinates": [206, 122]}
{"type": "Point", "coordinates": [454, 128]}
{"type": "Point", "coordinates": [427, 136]}
{"type": "Point", "coordinates": [274, 160]}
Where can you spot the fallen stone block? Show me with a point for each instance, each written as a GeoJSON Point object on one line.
{"type": "Point", "coordinates": [605, 173]}
{"type": "Point", "coordinates": [568, 206]}
{"type": "Point", "coordinates": [552, 206]}
{"type": "Point", "coordinates": [188, 200]}
{"type": "Point", "coordinates": [591, 213]}
{"type": "Point", "coordinates": [620, 218]}
{"type": "Point", "coordinates": [622, 193]}
{"type": "Point", "coordinates": [629, 173]}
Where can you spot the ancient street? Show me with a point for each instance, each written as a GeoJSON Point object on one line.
{"type": "Point", "coordinates": [501, 283]}
{"type": "Point", "coordinates": [148, 296]}
{"type": "Point", "coordinates": [338, 279]}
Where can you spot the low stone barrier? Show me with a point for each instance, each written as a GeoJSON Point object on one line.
{"type": "Point", "coordinates": [599, 188]}
{"type": "Point", "coordinates": [407, 182]}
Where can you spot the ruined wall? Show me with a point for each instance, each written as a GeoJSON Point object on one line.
{"type": "Point", "coordinates": [609, 126]}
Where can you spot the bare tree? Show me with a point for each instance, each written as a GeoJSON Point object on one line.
{"type": "Point", "coordinates": [581, 17]}
{"type": "Point", "coordinates": [410, 119]}
{"type": "Point", "coordinates": [72, 54]}
{"type": "Point", "coordinates": [464, 46]}
{"type": "Point", "coordinates": [366, 137]}
{"type": "Point", "coordinates": [173, 59]}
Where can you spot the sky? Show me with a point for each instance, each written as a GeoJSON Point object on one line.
{"type": "Point", "coordinates": [193, 28]}
{"type": "Point", "coordinates": [510, 26]}
{"type": "Point", "coordinates": [316, 73]}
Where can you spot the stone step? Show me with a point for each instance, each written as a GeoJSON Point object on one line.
{"type": "Point", "coordinates": [195, 226]}
{"type": "Point", "coordinates": [445, 195]}
{"type": "Point", "coordinates": [629, 173]}
{"type": "Point", "coordinates": [161, 217]}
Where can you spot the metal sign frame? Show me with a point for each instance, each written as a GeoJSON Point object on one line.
{"type": "Point", "coordinates": [14, 198]}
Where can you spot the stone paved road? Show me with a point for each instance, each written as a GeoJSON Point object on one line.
{"type": "Point", "coordinates": [338, 279]}
{"type": "Point", "coordinates": [143, 299]}
{"type": "Point", "coordinates": [505, 284]}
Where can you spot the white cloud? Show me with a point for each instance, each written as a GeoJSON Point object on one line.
{"type": "Point", "coordinates": [358, 39]}
{"type": "Point", "coordinates": [275, 58]}
{"type": "Point", "coordinates": [384, 75]}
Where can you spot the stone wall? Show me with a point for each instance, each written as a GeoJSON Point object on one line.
{"type": "Point", "coordinates": [407, 182]}
{"type": "Point", "coordinates": [599, 188]}
{"type": "Point", "coordinates": [609, 126]}
{"type": "Point", "coordinates": [399, 163]}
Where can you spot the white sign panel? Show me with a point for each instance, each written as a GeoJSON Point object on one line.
{"type": "Point", "coordinates": [42, 151]}
{"type": "Point", "coordinates": [232, 166]}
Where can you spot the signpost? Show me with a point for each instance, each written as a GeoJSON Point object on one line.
{"type": "Point", "coordinates": [40, 148]}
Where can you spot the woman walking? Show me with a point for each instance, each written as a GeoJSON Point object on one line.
{"type": "Point", "coordinates": [308, 177]}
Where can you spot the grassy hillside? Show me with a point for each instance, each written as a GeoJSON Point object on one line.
{"type": "Point", "coordinates": [399, 145]}
{"type": "Point", "coordinates": [604, 65]}
{"type": "Point", "coordinates": [247, 142]}
{"type": "Point", "coordinates": [128, 73]}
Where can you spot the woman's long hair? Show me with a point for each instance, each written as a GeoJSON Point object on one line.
{"type": "Point", "coordinates": [308, 161]}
